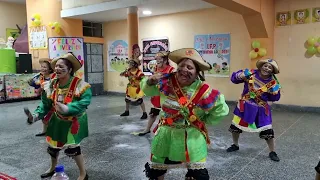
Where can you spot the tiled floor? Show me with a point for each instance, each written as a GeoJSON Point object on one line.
{"type": "Point", "coordinates": [111, 152]}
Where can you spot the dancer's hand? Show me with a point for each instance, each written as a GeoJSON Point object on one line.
{"type": "Point", "coordinates": [154, 79]}
{"type": "Point", "coordinates": [62, 108]}
{"type": "Point", "coordinates": [31, 118]}
{"type": "Point", "coordinates": [242, 76]}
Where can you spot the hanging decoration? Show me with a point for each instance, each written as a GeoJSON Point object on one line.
{"type": "Point", "coordinates": [313, 45]}
{"type": "Point", "coordinates": [36, 20]}
{"type": "Point", "coordinates": [56, 26]}
{"type": "Point", "coordinates": [257, 50]}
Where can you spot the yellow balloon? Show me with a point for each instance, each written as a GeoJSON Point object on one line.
{"type": "Point", "coordinates": [50, 24]}
{"type": "Point", "coordinates": [253, 54]}
{"type": "Point", "coordinates": [37, 22]}
{"type": "Point", "coordinates": [36, 16]}
{"type": "Point", "coordinates": [318, 49]}
{"type": "Point", "coordinates": [56, 24]}
{"type": "Point", "coordinates": [312, 41]}
{"type": "Point", "coordinates": [33, 23]}
{"type": "Point", "coordinates": [57, 30]}
{"type": "Point", "coordinates": [262, 52]}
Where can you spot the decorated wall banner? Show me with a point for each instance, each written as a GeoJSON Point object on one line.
{"type": "Point", "coordinates": [62, 45]}
{"type": "Point", "coordinates": [316, 14]}
{"type": "Point", "coordinates": [283, 18]}
{"type": "Point", "coordinates": [301, 16]}
{"type": "Point", "coordinates": [215, 49]}
{"type": "Point", "coordinates": [2, 90]}
{"type": "Point", "coordinates": [38, 38]}
{"type": "Point", "coordinates": [17, 87]}
{"type": "Point", "coordinates": [150, 48]}
{"type": "Point", "coordinates": [117, 55]}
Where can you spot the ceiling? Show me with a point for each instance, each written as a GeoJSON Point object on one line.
{"type": "Point", "coordinates": [14, 1]}
{"type": "Point", "coordinates": [157, 7]}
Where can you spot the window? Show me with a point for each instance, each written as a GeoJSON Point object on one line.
{"type": "Point", "coordinates": [92, 29]}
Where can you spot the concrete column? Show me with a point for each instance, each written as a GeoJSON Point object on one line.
{"type": "Point", "coordinates": [133, 28]}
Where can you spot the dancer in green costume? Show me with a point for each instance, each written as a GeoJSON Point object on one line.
{"type": "Point", "coordinates": [188, 104]}
{"type": "Point", "coordinates": [63, 107]}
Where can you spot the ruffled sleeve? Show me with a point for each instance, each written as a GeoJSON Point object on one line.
{"type": "Point", "coordinates": [212, 108]}
{"type": "Point", "coordinates": [149, 90]}
{"type": "Point", "coordinates": [82, 99]}
{"type": "Point", "coordinates": [274, 96]}
{"type": "Point", "coordinates": [235, 77]}
{"type": "Point", "coordinates": [35, 81]}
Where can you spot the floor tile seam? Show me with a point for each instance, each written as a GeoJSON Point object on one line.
{"type": "Point", "coordinates": [254, 158]}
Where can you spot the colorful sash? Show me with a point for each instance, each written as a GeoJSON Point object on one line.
{"type": "Point", "coordinates": [256, 94]}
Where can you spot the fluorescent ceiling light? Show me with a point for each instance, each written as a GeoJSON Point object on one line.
{"type": "Point", "coordinates": [146, 12]}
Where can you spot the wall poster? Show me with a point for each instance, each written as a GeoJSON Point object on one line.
{"type": "Point", "coordinates": [316, 14]}
{"type": "Point", "coordinates": [301, 16]}
{"type": "Point", "coordinates": [62, 45]}
{"type": "Point", "coordinates": [215, 49]}
{"type": "Point", "coordinates": [117, 55]}
{"type": "Point", "coordinates": [283, 18]}
{"type": "Point", "coordinates": [38, 38]}
{"type": "Point", "coordinates": [150, 47]}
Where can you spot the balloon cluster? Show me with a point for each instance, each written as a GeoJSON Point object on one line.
{"type": "Point", "coordinates": [55, 26]}
{"type": "Point", "coordinates": [257, 50]}
{"type": "Point", "coordinates": [313, 45]}
{"type": "Point", "coordinates": [36, 20]}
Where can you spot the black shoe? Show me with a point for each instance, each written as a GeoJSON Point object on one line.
{"type": "Point", "coordinates": [273, 156]}
{"type": "Point", "coordinates": [46, 175]}
{"type": "Point", "coordinates": [232, 148]}
{"type": "Point", "coordinates": [126, 113]}
{"type": "Point", "coordinates": [41, 134]}
{"type": "Point", "coordinates": [143, 133]}
{"type": "Point", "coordinates": [144, 116]}
{"type": "Point", "coordinates": [87, 177]}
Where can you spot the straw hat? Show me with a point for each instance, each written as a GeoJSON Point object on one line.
{"type": "Point", "coordinates": [136, 61]}
{"type": "Point", "coordinates": [42, 60]}
{"type": "Point", "coordinates": [274, 63]}
{"type": "Point", "coordinates": [189, 53]}
{"type": "Point", "coordinates": [76, 64]}
{"type": "Point", "coordinates": [162, 54]}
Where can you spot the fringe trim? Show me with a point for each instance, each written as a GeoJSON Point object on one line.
{"type": "Point", "coordinates": [194, 166]}
{"type": "Point", "coordinates": [82, 88]}
{"type": "Point", "coordinates": [246, 129]}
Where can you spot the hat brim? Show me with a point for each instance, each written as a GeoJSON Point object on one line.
{"type": "Point", "coordinates": [42, 60]}
{"type": "Point", "coordinates": [274, 64]}
{"type": "Point", "coordinates": [136, 61]}
{"type": "Point", "coordinates": [76, 64]}
{"type": "Point", "coordinates": [177, 55]}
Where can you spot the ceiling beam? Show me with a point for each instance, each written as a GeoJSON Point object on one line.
{"type": "Point", "coordinates": [105, 6]}
{"type": "Point", "coordinates": [251, 12]}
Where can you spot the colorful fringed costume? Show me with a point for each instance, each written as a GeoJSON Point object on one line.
{"type": "Point", "coordinates": [181, 135]}
{"type": "Point", "coordinates": [133, 91]}
{"type": "Point", "coordinates": [65, 129]}
{"type": "Point", "coordinates": [253, 113]}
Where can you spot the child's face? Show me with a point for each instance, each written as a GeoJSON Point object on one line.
{"type": "Point", "coordinates": [136, 53]}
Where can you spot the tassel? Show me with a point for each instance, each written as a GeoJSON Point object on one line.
{"type": "Point", "coordinates": [241, 105]}
{"type": "Point", "coordinates": [75, 126]}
